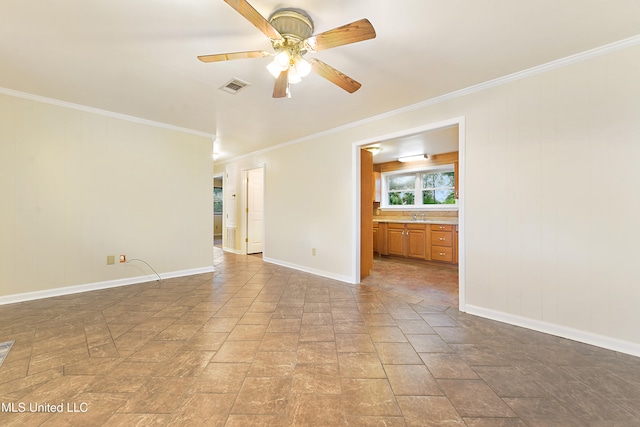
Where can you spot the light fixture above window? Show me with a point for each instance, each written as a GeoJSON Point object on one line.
{"type": "Point", "coordinates": [416, 158]}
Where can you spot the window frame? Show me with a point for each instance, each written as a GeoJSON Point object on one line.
{"type": "Point", "coordinates": [418, 205]}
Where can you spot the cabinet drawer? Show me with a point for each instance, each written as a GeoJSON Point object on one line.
{"type": "Point", "coordinates": [395, 226]}
{"type": "Point", "coordinates": [441, 238]}
{"type": "Point", "coordinates": [441, 253]}
{"type": "Point", "coordinates": [416, 227]}
{"type": "Point", "coordinates": [441, 227]}
{"type": "Point", "coordinates": [375, 225]}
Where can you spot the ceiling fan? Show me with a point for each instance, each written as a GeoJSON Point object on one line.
{"type": "Point", "coordinates": [291, 33]}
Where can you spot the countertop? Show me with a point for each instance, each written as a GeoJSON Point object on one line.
{"type": "Point", "coordinates": [433, 220]}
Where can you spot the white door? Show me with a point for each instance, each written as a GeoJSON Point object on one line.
{"type": "Point", "coordinates": [255, 210]}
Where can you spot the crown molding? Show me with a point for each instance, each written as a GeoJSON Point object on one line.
{"type": "Point", "coordinates": [86, 109]}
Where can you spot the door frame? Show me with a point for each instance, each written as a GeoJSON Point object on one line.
{"type": "Point", "coordinates": [356, 207]}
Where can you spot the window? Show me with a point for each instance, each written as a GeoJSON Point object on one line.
{"type": "Point", "coordinates": [425, 188]}
{"type": "Point", "coordinates": [402, 189]}
{"type": "Point", "coordinates": [217, 200]}
{"type": "Point", "coordinates": [438, 188]}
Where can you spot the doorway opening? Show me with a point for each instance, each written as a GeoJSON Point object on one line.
{"type": "Point", "coordinates": [410, 257]}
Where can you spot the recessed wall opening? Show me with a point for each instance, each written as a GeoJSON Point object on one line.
{"type": "Point", "coordinates": [417, 212]}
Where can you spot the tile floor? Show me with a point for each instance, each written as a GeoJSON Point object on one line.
{"type": "Point", "coordinates": [255, 344]}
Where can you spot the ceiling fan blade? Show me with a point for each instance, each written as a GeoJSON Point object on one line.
{"type": "Point", "coordinates": [234, 55]}
{"type": "Point", "coordinates": [351, 33]}
{"type": "Point", "coordinates": [334, 76]}
{"type": "Point", "coordinates": [245, 9]}
{"type": "Point", "coordinates": [280, 88]}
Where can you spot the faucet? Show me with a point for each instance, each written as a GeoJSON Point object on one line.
{"type": "Point", "coordinates": [415, 217]}
{"type": "Point", "coordinates": [423, 216]}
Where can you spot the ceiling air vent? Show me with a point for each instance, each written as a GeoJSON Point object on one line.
{"type": "Point", "coordinates": [234, 86]}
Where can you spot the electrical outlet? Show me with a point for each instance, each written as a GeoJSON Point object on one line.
{"type": "Point", "coordinates": [313, 251]}
{"type": "Point", "coordinates": [111, 259]}
{"type": "Point", "coordinates": [123, 259]}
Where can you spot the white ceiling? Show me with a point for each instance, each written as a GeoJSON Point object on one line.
{"type": "Point", "coordinates": [436, 141]}
{"type": "Point", "coordinates": [139, 57]}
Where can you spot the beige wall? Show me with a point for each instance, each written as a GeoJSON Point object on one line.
{"type": "Point", "coordinates": [76, 187]}
{"type": "Point", "coordinates": [551, 198]}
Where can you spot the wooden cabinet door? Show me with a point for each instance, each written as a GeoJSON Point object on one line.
{"type": "Point", "coordinates": [395, 240]}
{"type": "Point", "coordinates": [416, 243]}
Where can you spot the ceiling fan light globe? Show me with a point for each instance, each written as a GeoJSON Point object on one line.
{"type": "Point", "coordinates": [294, 76]}
{"type": "Point", "coordinates": [302, 66]}
{"type": "Point", "coordinates": [274, 69]}
{"type": "Point", "coordinates": [283, 60]}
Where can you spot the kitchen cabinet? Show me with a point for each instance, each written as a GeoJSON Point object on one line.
{"type": "Point", "coordinates": [395, 239]}
{"type": "Point", "coordinates": [406, 240]}
{"type": "Point", "coordinates": [455, 245]}
{"type": "Point", "coordinates": [380, 245]}
{"type": "Point", "coordinates": [416, 240]}
{"type": "Point", "coordinates": [442, 245]}
{"type": "Point", "coordinates": [375, 237]}
{"type": "Point", "coordinates": [431, 242]}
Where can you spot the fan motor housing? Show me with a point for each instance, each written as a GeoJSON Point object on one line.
{"type": "Point", "coordinates": [292, 23]}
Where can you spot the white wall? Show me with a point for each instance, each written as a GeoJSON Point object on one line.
{"type": "Point", "coordinates": [551, 198]}
{"type": "Point", "coordinates": [76, 186]}
{"type": "Point", "coordinates": [555, 241]}
{"type": "Point", "coordinates": [302, 185]}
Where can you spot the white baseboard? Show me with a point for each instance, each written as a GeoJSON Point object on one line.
{"type": "Point", "coordinates": [305, 269]}
{"type": "Point", "coordinates": [48, 293]}
{"type": "Point", "coordinates": [614, 344]}
{"type": "Point", "coordinates": [232, 251]}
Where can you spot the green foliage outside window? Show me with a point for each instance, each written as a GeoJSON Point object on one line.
{"type": "Point", "coordinates": [217, 201]}
{"type": "Point", "coordinates": [401, 198]}
{"type": "Point", "coordinates": [402, 189]}
{"type": "Point", "coordinates": [437, 188]}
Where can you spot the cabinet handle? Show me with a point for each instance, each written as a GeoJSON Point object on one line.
{"type": "Point", "coordinates": [441, 253]}
{"type": "Point", "coordinates": [442, 238]}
